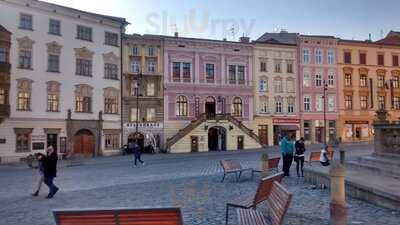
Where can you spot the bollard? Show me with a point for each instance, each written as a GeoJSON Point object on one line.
{"type": "Point", "coordinates": [342, 152]}
{"type": "Point", "coordinates": [338, 209]}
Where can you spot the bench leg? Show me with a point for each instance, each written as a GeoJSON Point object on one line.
{"type": "Point", "coordinates": [227, 215]}
{"type": "Point", "coordinates": [223, 178]}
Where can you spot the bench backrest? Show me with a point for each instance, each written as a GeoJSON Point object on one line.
{"type": "Point", "coordinates": [230, 165]}
{"type": "Point", "coordinates": [278, 203]}
{"type": "Point", "coordinates": [314, 156]}
{"type": "Point", "coordinates": [330, 154]}
{"type": "Point", "coordinates": [273, 162]}
{"type": "Point", "coordinates": [165, 216]}
{"type": "Point", "coordinates": [265, 186]}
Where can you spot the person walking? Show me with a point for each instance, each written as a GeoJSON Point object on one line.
{"type": "Point", "coordinates": [50, 171]}
{"type": "Point", "coordinates": [286, 147]}
{"type": "Point", "coordinates": [323, 159]}
{"type": "Point", "coordinates": [299, 156]}
{"type": "Point", "coordinates": [40, 157]}
{"type": "Point", "coordinates": [137, 151]}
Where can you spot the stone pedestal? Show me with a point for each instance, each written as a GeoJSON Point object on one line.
{"type": "Point", "coordinates": [338, 210]}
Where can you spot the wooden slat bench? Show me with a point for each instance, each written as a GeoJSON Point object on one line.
{"type": "Point", "coordinates": [262, 193]}
{"type": "Point", "coordinates": [273, 164]}
{"type": "Point", "coordinates": [161, 216]}
{"type": "Point", "coordinates": [314, 156]}
{"type": "Point", "coordinates": [233, 166]}
{"type": "Point", "coordinates": [277, 205]}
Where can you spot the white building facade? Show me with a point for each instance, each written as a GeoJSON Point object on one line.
{"type": "Point", "coordinates": [65, 80]}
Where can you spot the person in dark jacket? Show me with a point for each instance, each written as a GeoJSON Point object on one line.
{"type": "Point", "coordinates": [40, 157]}
{"type": "Point", "coordinates": [138, 153]}
{"type": "Point", "coordinates": [299, 156]}
{"type": "Point", "coordinates": [50, 171]}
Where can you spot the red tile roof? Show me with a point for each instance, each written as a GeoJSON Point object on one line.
{"type": "Point", "coordinates": [392, 38]}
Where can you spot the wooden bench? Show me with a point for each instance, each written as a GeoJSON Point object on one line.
{"type": "Point", "coordinates": [233, 166]}
{"type": "Point", "coordinates": [262, 193]}
{"type": "Point", "coordinates": [273, 164]}
{"type": "Point", "coordinates": [162, 216]}
{"type": "Point", "coordinates": [315, 156]}
{"type": "Point", "coordinates": [277, 205]}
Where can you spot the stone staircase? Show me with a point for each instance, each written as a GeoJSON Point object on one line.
{"type": "Point", "coordinates": [378, 165]}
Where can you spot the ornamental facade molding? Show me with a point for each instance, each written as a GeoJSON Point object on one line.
{"type": "Point", "coordinates": [83, 53]}
{"type": "Point", "coordinates": [83, 90]}
{"type": "Point", "coordinates": [25, 43]}
{"type": "Point", "coordinates": [53, 87]}
{"type": "Point", "coordinates": [24, 84]}
{"type": "Point", "coordinates": [110, 58]}
{"type": "Point", "coordinates": [54, 48]}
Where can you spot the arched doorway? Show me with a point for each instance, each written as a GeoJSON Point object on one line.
{"type": "Point", "coordinates": [217, 139]}
{"type": "Point", "coordinates": [137, 137]}
{"type": "Point", "coordinates": [210, 106]}
{"type": "Point", "coordinates": [84, 143]}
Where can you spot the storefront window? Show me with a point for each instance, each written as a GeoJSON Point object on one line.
{"type": "Point", "coordinates": [307, 134]}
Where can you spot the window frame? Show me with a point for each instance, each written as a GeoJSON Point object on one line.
{"type": "Point", "coordinates": [86, 36]}
{"type": "Point", "coordinates": [111, 38]}
{"type": "Point", "coordinates": [57, 24]}
{"type": "Point", "coordinates": [22, 24]}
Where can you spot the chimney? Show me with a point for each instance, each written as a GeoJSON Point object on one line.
{"type": "Point", "coordinates": [244, 39]}
{"type": "Point", "coordinates": [176, 34]}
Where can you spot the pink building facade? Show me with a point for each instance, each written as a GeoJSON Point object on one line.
{"type": "Point", "coordinates": [318, 69]}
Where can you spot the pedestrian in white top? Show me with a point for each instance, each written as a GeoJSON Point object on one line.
{"type": "Point", "coordinates": [323, 159]}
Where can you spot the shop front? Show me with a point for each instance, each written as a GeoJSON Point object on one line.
{"type": "Point", "coordinates": [285, 126]}
{"type": "Point", "coordinates": [357, 130]}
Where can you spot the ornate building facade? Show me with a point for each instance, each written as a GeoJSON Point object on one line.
{"type": "Point", "coordinates": [275, 76]}
{"type": "Point", "coordinates": [5, 67]}
{"type": "Point", "coordinates": [369, 80]}
{"type": "Point", "coordinates": [65, 83]}
{"type": "Point", "coordinates": [143, 105]}
{"type": "Point", "coordinates": [208, 100]}
{"type": "Point", "coordinates": [318, 71]}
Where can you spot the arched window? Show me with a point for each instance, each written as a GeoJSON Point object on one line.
{"type": "Point", "coordinates": [181, 106]}
{"type": "Point", "coordinates": [237, 107]}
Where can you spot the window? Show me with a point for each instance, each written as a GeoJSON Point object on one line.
{"type": "Point", "coordinates": [150, 90]}
{"type": "Point", "coordinates": [150, 51]}
{"type": "Point", "coordinates": [306, 56]}
{"type": "Point", "coordinates": [363, 102]}
{"type": "Point", "coordinates": [278, 85]}
{"type": "Point", "coordinates": [24, 101]}
{"type": "Point", "coordinates": [23, 142]}
{"type": "Point", "coordinates": [83, 104]}
{"type": "Point", "coordinates": [25, 22]}
{"type": "Point", "coordinates": [347, 79]}
{"type": "Point", "coordinates": [151, 114]}
{"type": "Point", "coordinates": [289, 67]}
{"type": "Point", "coordinates": [331, 103]}
{"type": "Point", "coordinates": [25, 59]}
{"type": "Point", "coordinates": [290, 85]}
{"type": "Point", "coordinates": [363, 80]}
{"type": "Point", "coordinates": [111, 141]}
{"type": "Point", "coordinates": [331, 79]}
{"type": "Point", "coordinates": [133, 88]}
{"type": "Point", "coordinates": [307, 103]}
{"type": "Point", "coordinates": [111, 71]}
{"type": "Point", "coordinates": [381, 102]}
{"type": "Point", "coordinates": [395, 82]}
{"type": "Point", "coordinates": [347, 57]}
{"type": "Point", "coordinates": [53, 64]}
{"type": "Point", "coordinates": [110, 105]}
{"type": "Point", "coordinates": [3, 55]}
{"type": "Point", "coordinates": [52, 103]}
{"type": "Point", "coordinates": [396, 102]}
{"type": "Point", "coordinates": [263, 67]}
{"type": "Point", "coordinates": [84, 33]}
{"type": "Point", "coordinates": [306, 79]}
{"type": "Point", "coordinates": [151, 66]}
{"type": "Point", "coordinates": [240, 70]}
{"type": "Point", "coordinates": [186, 72]}
{"type": "Point", "coordinates": [278, 105]}
{"type": "Point", "coordinates": [395, 60]}
{"type": "Point", "coordinates": [210, 73]}
{"type": "Point", "coordinates": [264, 104]}
{"type": "Point", "coordinates": [176, 71]}
{"type": "Point", "coordinates": [181, 106]}
{"type": "Point", "coordinates": [135, 114]}
{"type": "Point", "coordinates": [54, 27]}
{"type": "Point", "coordinates": [319, 103]}
{"type": "Point", "coordinates": [290, 106]}
{"type": "Point", "coordinates": [318, 56]}
{"type": "Point", "coordinates": [318, 80]}
{"type": "Point", "coordinates": [237, 107]}
{"type": "Point", "coordinates": [331, 57]}
{"type": "Point", "coordinates": [236, 73]}
{"type": "Point", "coordinates": [263, 85]}
{"type": "Point", "coordinates": [381, 60]}
{"type": "Point", "coordinates": [111, 38]}
{"type": "Point", "coordinates": [3, 96]}
{"type": "Point", "coordinates": [348, 102]}
{"type": "Point", "coordinates": [84, 67]}
{"type": "Point", "coordinates": [363, 58]}
{"type": "Point", "coordinates": [135, 50]}
{"type": "Point", "coordinates": [278, 67]}
{"type": "Point", "coordinates": [135, 67]}
{"type": "Point", "coordinates": [232, 74]}
{"type": "Point", "coordinates": [381, 81]}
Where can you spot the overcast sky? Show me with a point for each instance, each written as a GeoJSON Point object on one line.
{"type": "Point", "coordinates": [217, 19]}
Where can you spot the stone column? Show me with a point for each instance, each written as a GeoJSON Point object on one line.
{"type": "Point", "coordinates": [338, 209]}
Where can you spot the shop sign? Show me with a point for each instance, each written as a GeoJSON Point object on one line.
{"type": "Point", "coordinates": [285, 121]}
{"type": "Point", "coordinates": [38, 138]}
{"type": "Point", "coordinates": [356, 122]}
{"type": "Point", "coordinates": [38, 146]}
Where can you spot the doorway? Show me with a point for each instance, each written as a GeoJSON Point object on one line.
{"type": "Point", "coordinates": [217, 139]}
{"type": "Point", "coordinates": [240, 142]}
{"type": "Point", "coordinates": [263, 134]}
{"type": "Point", "coordinates": [194, 146]}
{"type": "Point", "coordinates": [84, 143]}
{"type": "Point", "coordinates": [52, 141]}
{"type": "Point", "coordinates": [319, 134]}
{"type": "Point", "coordinates": [210, 107]}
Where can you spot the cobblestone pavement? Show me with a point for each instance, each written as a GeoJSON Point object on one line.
{"type": "Point", "coordinates": [191, 182]}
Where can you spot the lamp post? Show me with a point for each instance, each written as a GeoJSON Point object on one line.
{"type": "Point", "coordinates": [324, 97]}
{"type": "Point", "coordinates": [137, 100]}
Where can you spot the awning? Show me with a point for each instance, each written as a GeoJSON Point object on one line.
{"type": "Point", "coordinates": [287, 127]}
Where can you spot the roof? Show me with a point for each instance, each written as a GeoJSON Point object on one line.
{"type": "Point", "coordinates": [284, 38]}
{"type": "Point", "coordinates": [392, 38]}
{"type": "Point", "coordinates": [3, 29]}
{"type": "Point", "coordinates": [195, 39]}
{"type": "Point", "coordinates": [318, 36]}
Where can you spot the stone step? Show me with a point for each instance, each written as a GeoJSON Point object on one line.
{"type": "Point", "coordinates": [373, 169]}
{"type": "Point", "coordinates": [393, 162]}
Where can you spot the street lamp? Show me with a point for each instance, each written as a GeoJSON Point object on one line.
{"type": "Point", "coordinates": [324, 97]}
{"type": "Point", "coordinates": [139, 76]}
